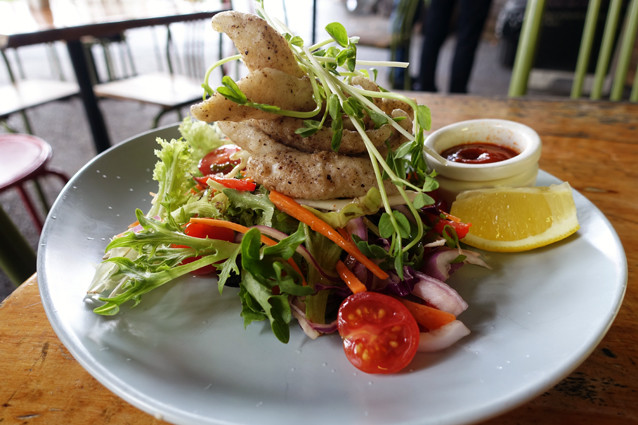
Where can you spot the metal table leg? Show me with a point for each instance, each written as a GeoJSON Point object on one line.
{"type": "Point", "coordinates": [91, 107]}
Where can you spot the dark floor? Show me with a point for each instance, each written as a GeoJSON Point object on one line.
{"type": "Point", "coordinates": [64, 126]}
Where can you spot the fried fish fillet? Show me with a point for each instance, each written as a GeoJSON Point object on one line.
{"type": "Point", "coordinates": [267, 86]}
{"type": "Point", "coordinates": [280, 159]}
{"type": "Point", "coordinates": [319, 175]}
{"type": "Point", "coordinates": [274, 77]}
{"type": "Point", "coordinates": [283, 129]}
{"type": "Point", "coordinates": [385, 104]}
{"type": "Point", "coordinates": [259, 44]}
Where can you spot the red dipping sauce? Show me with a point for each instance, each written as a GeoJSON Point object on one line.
{"type": "Point", "coordinates": [478, 153]}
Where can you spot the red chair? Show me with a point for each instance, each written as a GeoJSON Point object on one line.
{"type": "Point", "coordinates": [25, 158]}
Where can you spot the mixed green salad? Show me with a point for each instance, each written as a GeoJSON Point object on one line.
{"type": "Point", "coordinates": [372, 268]}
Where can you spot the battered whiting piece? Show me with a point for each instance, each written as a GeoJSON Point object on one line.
{"type": "Point", "coordinates": [282, 159]}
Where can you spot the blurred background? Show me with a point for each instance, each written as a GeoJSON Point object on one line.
{"type": "Point", "coordinates": [63, 123]}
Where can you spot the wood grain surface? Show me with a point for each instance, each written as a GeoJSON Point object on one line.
{"type": "Point", "coordinates": [593, 145]}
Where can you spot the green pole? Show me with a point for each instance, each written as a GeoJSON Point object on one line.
{"type": "Point", "coordinates": [526, 47]}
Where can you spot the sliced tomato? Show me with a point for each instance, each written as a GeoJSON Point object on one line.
{"type": "Point", "coordinates": [244, 184]}
{"type": "Point", "coordinates": [218, 160]}
{"type": "Point", "coordinates": [199, 230]}
{"type": "Point", "coordinates": [379, 333]}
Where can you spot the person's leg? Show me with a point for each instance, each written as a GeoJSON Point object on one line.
{"type": "Point", "coordinates": [437, 22]}
{"type": "Point", "coordinates": [471, 20]}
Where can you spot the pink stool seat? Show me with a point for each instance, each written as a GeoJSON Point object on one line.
{"type": "Point", "coordinates": [24, 157]}
{"type": "Point", "coordinates": [21, 156]}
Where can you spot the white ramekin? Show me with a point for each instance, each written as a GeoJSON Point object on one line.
{"type": "Point", "coordinates": [454, 177]}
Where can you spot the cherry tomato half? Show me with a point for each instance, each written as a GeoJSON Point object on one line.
{"type": "Point", "coordinates": [445, 219]}
{"type": "Point", "coordinates": [379, 333]}
{"type": "Point", "coordinates": [199, 230]}
{"type": "Point", "coordinates": [218, 160]}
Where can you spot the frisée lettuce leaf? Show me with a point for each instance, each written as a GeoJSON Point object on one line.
{"type": "Point", "coordinates": [201, 136]}
{"type": "Point", "coordinates": [172, 173]}
{"type": "Point", "coordinates": [160, 249]}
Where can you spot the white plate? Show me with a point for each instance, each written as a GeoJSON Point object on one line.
{"type": "Point", "coordinates": [183, 355]}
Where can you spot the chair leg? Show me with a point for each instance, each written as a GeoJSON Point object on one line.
{"type": "Point", "coordinates": [127, 56]}
{"type": "Point", "coordinates": [48, 172]}
{"type": "Point", "coordinates": [626, 49]}
{"type": "Point", "coordinates": [156, 119]}
{"type": "Point", "coordinates": [606, 49]}
{"type": "Point", "coordinates": [108, 59]}
{"type": "Point", "coordinates": [584, 53]}
{"type": "Point", "coordinates": [8, 128]}
{"type": "Point", "coordinates": [63, 177]}
{"type": "Point", "coordinates": [54, 60]}
{"type": "Point", "coordinates": [41, 196]}
{"type": "Point", "coordinates": [526, 47]}
{"type": "Point", "coordinates": [17, 258]}
{"type": "Point", "coordinates": [26, 199]}
{"type": "Point", "coordinates": [38, 187]}
{"type": "Point", "coordinates": [26, 122]}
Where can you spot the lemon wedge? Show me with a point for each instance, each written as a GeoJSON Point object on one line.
{"type": "Point", "coordinates": [517, 219]}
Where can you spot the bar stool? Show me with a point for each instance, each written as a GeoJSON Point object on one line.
{"type": "Point", "coordinates": [23, 158]}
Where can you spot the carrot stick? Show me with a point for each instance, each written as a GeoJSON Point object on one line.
{"type": "Point", "coordinates": [344, 234]}
{"type": "Point", "coordinates": [230, 225]}
{"type": "Point", "coordinates": [429, 317]}
{"type": "Point", "coordinates": [294, 209]}
{"type": "Point", "coordinates": [349, 278]}
{"type": "Point", "coordinates": [243, 229]}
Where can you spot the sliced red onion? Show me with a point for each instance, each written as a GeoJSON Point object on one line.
{"type": "Point", "coordinates": [339, 290]}
{"type": "Point", "coordinates": [301, 250]}
{"type": "Point", "coordinates": [135, 229]}
{"type": "Point", "coordinates": [439, 294]}
{"type": "Point", "coordinates": [356, 226]}
{"type": "Point", "coordinates": [360, 271]}
{"type": "Point", "coordinates": [435, 243]}
{"type": "Point", "coordinates": [472, 257]}
{"type": "Point", "coordinates": [324, 328]}
{"type": "Point", "coordinates": [394, 285]}
{"type": "Point", "coordinates": [439, 265]}
{"type": "Point", "coordinates": [443, 337]}
{"type": "Point", "coordinates": [272, 232]}
{"type": "Point", "coordinates": [313, 330]}
{"type": "Point", "coordinates": [304, 323]}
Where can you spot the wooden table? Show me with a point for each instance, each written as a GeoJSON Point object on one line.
{"type": "Point", "coordinates": [592, 145]}
{"type": "Point", "coordinates": [28, 22]}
